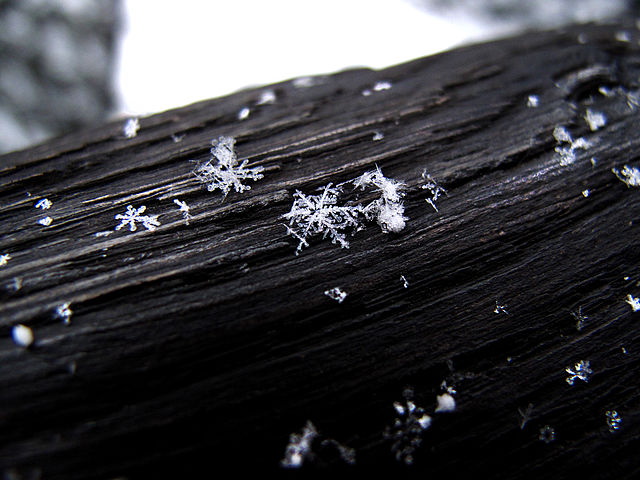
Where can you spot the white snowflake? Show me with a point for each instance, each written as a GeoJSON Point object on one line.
{"type": "Point", "coordinates": [629, 175]}
{"type": "Point", "coordinates": [580, 371]}
{"type": "Point", "coordinates": [580, 318]}
{"type": "Point", "coordinates": [377, 136]}
{"type": "Point", "coordinates": [525, 415]}
{"type": "Point", "coordinates": [63, 312]}
{"type": "Point", "coordinates": [226, 174]}
{"type": "Point", "coordinates": [634, 302]}
{"type": "Point", "coordinates": [532, 101]}
{"type": "Point", "coordinates": [586, 193]}
{"type": "Point", "coordinates": [567, 146]}
{"type": "Point", "coordinates": [405, 283]}
{"type": "Point", "coordinates": [595, 120]}
{"type": "Point", "coordinates": [388, 210]}
{"type": "Point", "coordinates": [547, 434]}
{"type": "Point", "coordinates": [243, 114]}
{"type": "Point", "coordinates": [4, 258]}
{"type": "Point", "coordinates": [407, 429]}
{"type": "Point", "coordinates": [184, 208]}
{"type": "Point", "coordinates": [336, 294]}
{"type": "Point", "coordinates": [500, 309]}
{"type": "Point", "coordinates": [46, 221]}
{"type": "Point", "coordinates": [267, 97]}
{"type": "Point", "coordinates": [133, 216]}
{"type": "Point", "coordinates": [613, 420]}
{"type": "Point", "coordinates": [434, 189]}
{"type": "Point", "coordinates": [299, 447]}
{"type": "Point", "coordinates": [44, 204]}
{"type": "Point", "coordinates": [320, 214]}
{"type": "Point", "coordinates": [131, 127]}
{"type": "Point", "coordinates": [383, 85]}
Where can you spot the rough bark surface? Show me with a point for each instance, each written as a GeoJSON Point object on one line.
{"type": "Point", "coordinates": [203, 346]}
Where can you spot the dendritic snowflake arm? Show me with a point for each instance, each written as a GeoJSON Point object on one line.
{"type": "Point", "coordinates": [225, 174]}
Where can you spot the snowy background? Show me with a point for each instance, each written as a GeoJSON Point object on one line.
{"type": "Point", "coordinates": [67, 64]}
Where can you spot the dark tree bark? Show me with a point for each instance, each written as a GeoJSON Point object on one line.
{"type": "Point", "coordinates": [203, 346]}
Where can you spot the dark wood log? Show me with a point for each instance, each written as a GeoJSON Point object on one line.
{"type": "Point", "coordinates": [194, 348]}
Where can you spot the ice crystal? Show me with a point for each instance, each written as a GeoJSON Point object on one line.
{"type": "Point", "coordinates": [446, 403]}
{"type": "Point", "coordinates": [243, 114]}
{"type": "Point", "coordinates": [586, 193]}
{"type": "Point", "coordinates": [580, 371]}
{"type": "Point", "coordinates": [380, 86]}
{"type": "Point", "coordinates": [46, 221]}
{"type": "Point", "coordinates": [267, 97]}
{"type": "Point", "coordinates": [4, 258]}
{"type": "Point", "coordinates": [177, 138]}
{"type": "Point", "coordinates": [299, 447]}
{"type": "Point", "coordinates": [500, 309]}
{"type": "Point", "coordinates": [595, 120]}
{"type": "Point", "coordinates": [547, 434]}
{"type": "Point", "coordinates": [320, 214]}
{"type": "Point", "coordinates": [634, 302]}
{"type": "Point", "coordinates": [103, 234]}
{"type": "Point", "coordinates": [336, 294]}
{"type": "Point", "coordinates": [133, 216]}
{"type": "Point", "coordinates": [434, 189]}
{"type": "Point", "coordinates": [629, 175]}
{"type": "Point", "coordinates": [405, 283]}
{"type": "Point", "coordinates": [131, 127]}
{"type": "Point", "coordinates": [388, 210]}
{"type": "Point", "coordinates": [613, 420]}
{"type": "Point", "coordinates": [44, 204]}
{"type": "Point", "coordinates": [226, 174]}
{"type": "Point", "coordinates": [532, 101]}
{"type": "Point", "coordinates": [377, 136]}
{"type": "Point", "coordinates": [22, 335]}
{"type": "Point", "coordinates": [63, 312]}
{"type": "Point", "coordinates": [184, 208]}
{"type": "Point", "coordinates": [406, 432]}
{"type": "Point", "coordinates": [525, 415]}
{"type": "Point", "coordinates": [567, 146]}
{"type": "Point", "coordinates": [580, 318]}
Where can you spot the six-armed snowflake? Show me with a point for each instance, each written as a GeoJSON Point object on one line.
{"type": "Point", "coordinates": [133, 216]}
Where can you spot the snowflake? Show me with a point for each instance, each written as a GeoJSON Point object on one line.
{"type": "Point", "coordinates": [226, 173]}
{"type": "Point", "coordinates": [319, 214]}
{"type": "Point", "coordinates": [131, 216]}
{"type": "Point", "coordinates": [634, 302]}
{"type": "Point", "coordinates": [243, 114]}
{"type": "Point", "coordinates": [336, 294]}
{"type": "Point", "coordinates": [525, 415]}
{"type": "Point", "coordinates": [532, 101]}
{"type": "Point", "coordinates": [46, 221]}
{"type": "Point", "coordinates": [64, 313]}
{"type": "Point", "coordinates": [434, 189]}
{"type": "Point", "coordinates": [184, 208]}
{"type": "Point", "coordinates": [405, 283]}
{"type": "Point", "coordinates": [500, 309]}
{"type": "Point", "coordinates": [377, 136]}
{"type": "Point", "coordinates": [580, 318]}
{"type": "Point", "coordinates": [595, 120]}
{"type": "Point", "coordinates": [613, 420]}
{"type": "Point", "coordinates": [547, 434]}
{"type": "Point", "coordinates": [4, 258]}
{"type": "Point", "coordinates": [388, 209]}
{"type": "Point", "coordinates": [44, 204]}
{"type": "Point", "coordinates": [406, 432]}
{"type": "Point", "coordinates": [446, 403]}
{"type": "Point", "coordinates": [567, 153]}
{"type": "Point", "coordinates": [300, 448]}
{"type": "Point", "coordinates": [131, 127]}
{"type": "Point", "coordinates": [580, 371]}
{"type": "Point", "coordinates": [267, 97]}
{"type": "Point", "coordinates": [586, 193]}
{"type": "Point", "coordinates": [629, 175]}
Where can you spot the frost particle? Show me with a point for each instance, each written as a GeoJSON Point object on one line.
{"type": "Point", "coordinates": [525, 415]}
{"type": "Point", "coordinates": [304, 82]}
{"type": "Point", "coordinates": [532, 101]}
{"type": "Point", "coordinates": [103, 234]}
{"type": "Point", "coordinates": [380, 86]}
{"type": "Point", "coordinates": [634, 302]}
{"type": "Point", "coordinates": [267, 97]}
{"type": "Point", "coordinates": [613, 420]}
{"type": "Point", "coordinates": [446, 403]}
{"type": "Point", "coordinates": [595, 120]}
{"type": "Point", "coordinates": [336, 294]}
{"type": "Point", "coordinates": [388, 209]}
{"type": "Point", "coordinates": [377, 136]}
{"type": "Point", "coordinates": [22, 335]}
{"type": "Point", "coordinates": [177, 138]}
{"type": "Point", "coordinates": [547, 434]}
{"type": "Point", "coordinates": [567, 153]}
{"type": "Point", "coordinates": [623, 36]}
{"type": "Point", "coordinates": [434, 189]}
{"type": "Point", "coordinates": [407, 429]}
{"type": "Point", "coordinates": [184, 208]}
{"type": "Point", "coordinates": [586, 193]}
{"type": "Point", "coordinates": [500, 309]}
{"type": "Point", "coordinates": [46, 221]}
{"type": "Point", "coordinates": [405, 283]}
{"type": "Point", "coordinates": [131, 127]}
{"type": "Point", "coordinates": [44, 204]}
{"type": "Point", "coordinates": [4, 258]}
{"type": "Point", "coordinates": [133, 216]}
{"type": "Point", "coordinates": [299, 447]}
{"type": "Point", "coordinates": [580, 318]}
{"type": "Point", "coordinates": [226, 173]}
{"type": "Point", "coordinates": [243, 114]}
{"type": "Point", "coordinates": [63, 312]}
{"type": "Point", "coordinates": [629, 175]}
{"type": "Point", "coordinates": [580, 371]}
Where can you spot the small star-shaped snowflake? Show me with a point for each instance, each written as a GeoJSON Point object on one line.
{"type": "Point", "coordinates": [131, 216]}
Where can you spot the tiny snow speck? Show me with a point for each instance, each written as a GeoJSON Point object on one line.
{"type": "Point", "coordinates": [634, 302]}
{"type": "Point", "coordinates": [46, 221]}
{"type": "Point", "coordinates": [336, 294]}
{"type": "Point", "coordinates": [44, 204]}
{"type": "Point", "coordinates": [22, 335]}
{"type": "Point", "coordinates": [131, 127]}
{"type": "Point", "coordinates": [532, 101]}
{"type": "Point", "coordinates": [243, 114]}
{"type": "Point", "coordinates": [4, 258]}
{"type": "Point", "coordinates": [63, 312]}
{"type": "Point", "coordinates": [595, 120]}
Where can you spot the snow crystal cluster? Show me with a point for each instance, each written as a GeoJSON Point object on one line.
{"type": "Point", "coordinates": [223, 171]}
{"type": "Point", "coordinates": [629, 175]}
{"type": "Point", "coordinates": [434, 189]}
{"type": "Point", "coordinates": [388, 210]}
{"type": "Point", "coordinates": [336, 294]}
{"type": "Point", "coordinates": [300, 448]}
{"type": "Point", "coordinates": [567, 146]}
{"type": "Point", "coordinates": [131, 127]}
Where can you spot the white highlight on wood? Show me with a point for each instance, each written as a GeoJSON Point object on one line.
{"type": "Point", "coordinates": [22, 335]}
{"type": "Point", "coordinates": [446, 403]}
{"type": "Point", "coordinates": [44, 204]}
{"type": "Point", "coordinates": [131, 127]}
{"type": "Point", "coordinates": [336, 294]}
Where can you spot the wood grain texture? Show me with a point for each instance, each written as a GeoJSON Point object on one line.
{"type": "Point", "coordinates": [204, 346]}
